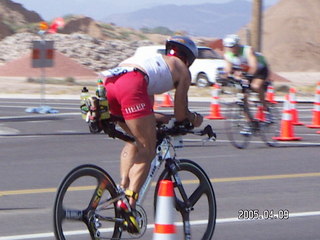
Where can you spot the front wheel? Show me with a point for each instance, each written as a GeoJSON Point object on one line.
{"type": "Point", "coordinates": [194, 199]}
{"type": "Point", "coordinates": [237, 125]}
{"type": "Point", "coordinates": [84, 207]}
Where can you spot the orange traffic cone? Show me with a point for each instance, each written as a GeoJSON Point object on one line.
{"type": "Point", "coordinates": [270, 94]}
{"type": "Point", "coordinates": [316, 109]}
{"type": "Point", "coordinates": [167, 101]}
{"type": "Point", "coordinates": [260, 114]}
{"type": "Point", "coordinates": [215, 107]}
{"type": "Point", "coordinates": [294, 111]}
{"type": "Point", "coordinates": [287, 131]}
{"type": "Point", "coordinates": [164, 228]}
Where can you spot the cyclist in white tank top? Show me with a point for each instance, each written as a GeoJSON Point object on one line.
{"type": "Point", "coordinates": [159, 75]}
{"type": "Point", "coordinates": [128, 87]}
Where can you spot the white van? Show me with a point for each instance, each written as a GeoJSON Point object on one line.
{"type": "Point", "coordinates": [205, 68]}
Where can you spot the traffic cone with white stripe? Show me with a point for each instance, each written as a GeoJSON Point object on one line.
{"type": "Point", "coordinates": [294, 111]}
{"type": "Point", "coordinates": [270, 94]}
{"type": "Point", "coordinates": [316, 109]}
{"type": "Point", "coordinates": [287, 130]}
{"type": "Point", "coordinates": [215, 106]}
{"type": "Point", "coordinates": [164, 228]}
{"type": "Point", "coordinates": [167, 101]}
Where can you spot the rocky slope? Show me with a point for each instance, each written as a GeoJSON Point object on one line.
{"type": "Point", "coordinates": [291, 37]}
{"type": "Point", "coordinates": [92, 52]}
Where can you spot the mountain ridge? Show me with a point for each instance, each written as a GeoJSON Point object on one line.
{"type": "Point", "coordinates": [196, 20]}
{"type": "Point", "coordinates": [290, 38]}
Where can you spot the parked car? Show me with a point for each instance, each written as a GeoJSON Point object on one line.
{"type": "Point", "coordinates": [205, 68]}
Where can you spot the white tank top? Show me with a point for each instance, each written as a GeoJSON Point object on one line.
{"type": "Point", "coordinates": [160, 78]}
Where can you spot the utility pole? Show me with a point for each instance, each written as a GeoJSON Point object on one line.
{"type": "Point", "coordinates": [256, 32]}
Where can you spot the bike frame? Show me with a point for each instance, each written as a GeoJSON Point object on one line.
{"type": "Point", "coordinates": [162, 154]}
{"type": "Point", "coordinates": [168, 140]}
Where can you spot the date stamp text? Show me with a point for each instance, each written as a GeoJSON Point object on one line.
{"type": "Point", "coordinates": [266, 214]}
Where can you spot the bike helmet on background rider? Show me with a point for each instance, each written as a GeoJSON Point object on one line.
{"type": "Point", "coordinates": [182, 47]}
{"type": "Point", "coordinates": [231, 40]}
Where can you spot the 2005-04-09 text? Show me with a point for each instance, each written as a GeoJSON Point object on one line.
{"type": "Point", "coordinates": [267, 214]}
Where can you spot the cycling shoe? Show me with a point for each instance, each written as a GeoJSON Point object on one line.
{"type": "Point", "coordinates": [131, 224]}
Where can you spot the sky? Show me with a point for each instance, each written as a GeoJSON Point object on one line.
{"type": "Point", "coordinates": [99, 9]}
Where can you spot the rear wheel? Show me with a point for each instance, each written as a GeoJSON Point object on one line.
{"type": "Point", "coordinates": [270, 128]}
{"type": "Point", "coordinates": [194, 195]}
{"type": "Point", "coordinates": [84, 206]}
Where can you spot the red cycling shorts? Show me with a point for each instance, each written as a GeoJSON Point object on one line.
{"type": "Point", "coordinates": [127, 95]}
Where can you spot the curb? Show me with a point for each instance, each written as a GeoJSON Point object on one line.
{"type": "Point", "coordinates": [157, 98]}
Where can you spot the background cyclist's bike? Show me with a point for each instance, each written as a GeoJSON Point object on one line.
{"type": "Point", "coordinates": [85, 204]}
{"type": "Point", "coordinates": [244, 121]}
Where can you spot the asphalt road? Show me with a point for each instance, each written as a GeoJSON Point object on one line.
{"type": "Point", "coordinates": [38, 150]}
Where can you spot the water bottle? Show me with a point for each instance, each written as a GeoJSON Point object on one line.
{"type": "Point", "coordinates": [100, 91]}
{"type": "Point", "coordinates": [103, 101]}
{"type": "Point", "coordinates": [83, 97]}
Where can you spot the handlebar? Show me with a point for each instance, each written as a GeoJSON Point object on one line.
{"type": "Point", "coordinates": [244, 82]}
{"type": "Point", "coordinates": [163, 130]}
{"type": "Point", "coordinates": [183, 128]}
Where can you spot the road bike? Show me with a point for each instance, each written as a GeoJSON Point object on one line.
{"type": "Point", "coordinates": [247, 120]}
{"type": "Point", "coordinates": [86, 198]}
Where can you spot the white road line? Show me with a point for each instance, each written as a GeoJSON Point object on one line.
{"type": "Point", "coordinates": [37, 116]}
{"type": "Point", "coordinates": [151, 226]}
{"type": "Point", "coordinates": [28, 106]}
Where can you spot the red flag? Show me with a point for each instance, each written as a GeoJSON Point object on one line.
{"type": "Point", "coordinates": [57, 23]}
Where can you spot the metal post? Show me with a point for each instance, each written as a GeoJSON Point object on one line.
{"type": "Point", "coordinates": [257, 24]}
{"type": "Point", "coordinates": [43, 87]}
{"type": "Point", "coordinates": [248, 36]}
{"type": "Point", "coordinates": [43, 79]}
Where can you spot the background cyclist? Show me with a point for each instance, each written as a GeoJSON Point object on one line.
{"type": "Point", "coordinates": [130, 89]}
{"type": "Point", "coordinates": [251, 62]}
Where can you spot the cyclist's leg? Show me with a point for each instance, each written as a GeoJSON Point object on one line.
{"type": "Point", "coordinates": [126, 162]}
{"type": "Point", "coordinates": [129, 98]}
{"type": "Point", "coordinates": [246, 107]}
{"type": "Point", "coordinates": [135, 165]}
{"type": "Point", "coordinates": [258, 85]}
{"type": "Point", "coordinates": [142, 152]}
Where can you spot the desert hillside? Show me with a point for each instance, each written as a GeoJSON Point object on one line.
{"type": "Point", "coordinates": [291, 36]}
{"type": "Point", "coordinates": [15, 18]}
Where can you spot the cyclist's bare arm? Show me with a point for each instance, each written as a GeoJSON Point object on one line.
{"type": "Point", "coordinates": [252, 61]}
{"type": "Point", "coordinates": [181, 79]}
{"type": "Point", "coordinates": [163, 118]}
{"type": "Point", "coordinates": [228, 68]}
